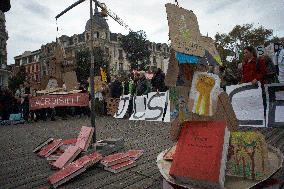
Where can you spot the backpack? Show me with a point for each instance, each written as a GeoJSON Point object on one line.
{"type": "Point", "coordinates": [271, 70]}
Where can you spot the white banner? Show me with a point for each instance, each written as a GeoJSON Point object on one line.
{"type": "Point", "coordinates": [275, 105]}
{"type": "Point", "coordinates": [155, 106]}
{"type": "Point", "coordinates": [247, 103]}
{"type": "Point", "coordinates": [139, 108]}
{"type": "Point", "coordinates": [123, 106]}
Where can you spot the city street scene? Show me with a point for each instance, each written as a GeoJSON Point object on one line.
{"type": "Point", "coordinates": [160, 94]}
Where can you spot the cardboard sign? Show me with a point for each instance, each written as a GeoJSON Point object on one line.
{"type": "Point", "coordinates": [52, 101]}
{"type": "Point", "coordinates": [155, 106]}
{"type": "Point", "coordinates": [184, 30]}
{"type": "Point", "coordinates": [260, 50]}
{"type": "Point", "coordinates": [204, 93]}
{"type": "Point", "coordinates": [122, 106]}
{"type": "Point", "coordinates": [247, 103]}
{"type": "Point", "coordinates": [247, 156]}
{"type": "Point", "coordinates": [70, 80]}
{"type": "Point", "coordinates": [112, 105]}
{"type": "Point", "coordinates": [139, 108]}
{"type": "Point", "coordinates": [275, 105]}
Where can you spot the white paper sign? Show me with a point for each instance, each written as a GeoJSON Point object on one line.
{"type": "Point", "coordinates": [155, 106]}
{"type": "Point", "coordinates": [260, 50]}
{"type": "Point", "coordinates": [247, 103]}
{"type": "Point", "coordinates": [167, 117]}
{"type": "Point", "coordinates": [275, 105]}
{"type": "Point", "coordinates": [139, 108]}
{"type": "Point", "coordinates": [123, 106]}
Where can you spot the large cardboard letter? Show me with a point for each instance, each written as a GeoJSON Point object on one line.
{"type": "Point", "coordinates": [139, 108]}
{"type": "Point", "coordinates": [247, 103]}
{"type": "Point", "coordinates": [155, 106]}
{"type": "Point", "coordinates": [275, 105]}
{"type": "Point", "coordinates": [123, 106]}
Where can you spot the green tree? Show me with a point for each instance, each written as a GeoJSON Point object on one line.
{"type": "Point", "coordinates": [135, 45]}
{"type": "Point", "coordinates": [19, 78]}
{"type": "Point", "coordinates": [83, 62]}
{"type": "Point", "coordinates": [241, 36]}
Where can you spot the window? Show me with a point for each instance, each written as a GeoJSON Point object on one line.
{"type": "Point", "coordinates": [120, 66]}
{"type": "Point", "coordinates": [120, 54]}
{"type": "Point", "coordinates": [154, 61]}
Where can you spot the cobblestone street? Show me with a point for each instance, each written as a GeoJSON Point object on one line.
{"type": "Point", "coordinates": [20, 168]}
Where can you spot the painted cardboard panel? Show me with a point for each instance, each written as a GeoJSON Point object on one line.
{"type": "Point", "coordinates": [155, 106]}
{"type": "Point", "coordinates": [70, 80]}
{"type": "Point", "coordinates": [123, 106]}
{"type": "Point", "coordinates": [204, 93]}
{"type": "Point", "coordinates": [275, 105]}
{"type": "Point", "coordinates": [248, 155]}
{"type": "Point", "coordinates": [139, 108]}
{"type": "Point", "coordinates": [247, 103]}
{"type": "Point", "coordinates": [184, 30]}
{"type": "Point", "coordinates": [179, 100]}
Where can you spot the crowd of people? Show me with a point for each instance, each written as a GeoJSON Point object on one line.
{"type": "Point", "coordinates": [251, 69]}
{"type": "Point", "coordinates": [135, 83]}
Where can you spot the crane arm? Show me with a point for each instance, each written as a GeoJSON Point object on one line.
{"type": "Point", "coordinates": [112, 15]}
{"type": "Point", "coordinates": [69, 8]}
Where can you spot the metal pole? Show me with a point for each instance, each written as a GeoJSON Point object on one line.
{"type": "Point", "coordinates": [93, 114]}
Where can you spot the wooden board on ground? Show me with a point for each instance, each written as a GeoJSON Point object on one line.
{"type": "Point", "coordinates": [85, 137]}
{"type": "Point", "coordinates": [67, 157]}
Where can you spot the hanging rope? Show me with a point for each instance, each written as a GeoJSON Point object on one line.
{"type": "Point", "coordinates": [58, 40]}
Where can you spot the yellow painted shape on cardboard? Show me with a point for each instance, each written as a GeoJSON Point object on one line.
{"type": "Point", "coordinates": [204, 86]}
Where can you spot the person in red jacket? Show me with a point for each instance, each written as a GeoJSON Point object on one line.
{"type": "Point", "coordinates": [253, 70]}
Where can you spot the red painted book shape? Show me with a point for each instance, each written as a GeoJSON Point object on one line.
{"type": "Point", "coordinates": [201, 152]}
{"type": "Point", "coordinates": [114, 159]}
{"type": "Point", "coordinates": [50, 148]}
{"type": "Point", "coordinates": [88, 160]}
{"type": "Point", "coordinates": [121, 166]}
{"type": "Point", "coordinates": [170, 154]}
{"type": "Point", "coordinates": [67, 157]}
{"type": "Point", "coordinates": [134, 154]}
{"type": "Point", "coordinates": [84, 138]}
{"type": "Point", "coordinates": [68, 172]}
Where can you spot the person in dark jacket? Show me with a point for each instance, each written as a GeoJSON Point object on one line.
{"type": "Point", "coordinates": [158, 81]}
{"type": "Point", "coordinates": [115, 88]}
{"type": "Point", "coordinates": [142, 85]}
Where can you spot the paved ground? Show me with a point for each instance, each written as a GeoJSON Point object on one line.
{"type": "Point", "coordinates": [20, 168]}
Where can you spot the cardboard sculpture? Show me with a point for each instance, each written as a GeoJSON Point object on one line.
{"type": "Point", "coordinates": [184, 30]}
{"type": "Point", "coordinates": [179, 101]}
{"type": "Point", "coordinates": [248, 156]}
{"type": "Point", "coordinates": [201, 154]}
{"type": "Point", "coordinates": [173, 69]}
{"type": "Point", "coordinates": [208, 44]}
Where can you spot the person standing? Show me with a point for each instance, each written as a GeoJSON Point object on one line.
{"type": "Point", "coordinates": [253, 70]}
{"type": "Point", "coordinates": [281, 66]}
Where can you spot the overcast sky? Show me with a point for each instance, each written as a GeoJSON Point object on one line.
{"type": "Point", "coordinates": [31, 23]}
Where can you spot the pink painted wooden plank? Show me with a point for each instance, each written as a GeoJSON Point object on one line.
{"type": "Point", "coordinates": [84, 138]}
{"type": "Point", "coordinates": [50, 148]}
{"type": "Point", "coordinates": [114, 159]}
{"type": "Point", "coordinates": [89, 160]}
{"type": "Point", "coordinates": [67, 157]}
